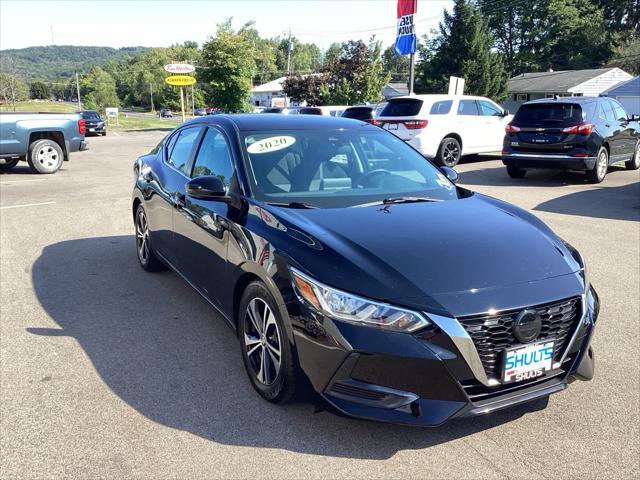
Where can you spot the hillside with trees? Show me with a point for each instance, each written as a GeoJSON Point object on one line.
{"type": "Point", "coordinates": [58, 61]}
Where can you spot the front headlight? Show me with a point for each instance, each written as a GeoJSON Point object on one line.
{"type": "Point", "coordinates": [354, 309]}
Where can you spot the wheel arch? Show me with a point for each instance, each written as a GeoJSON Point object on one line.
{"type": "Point", "coordinates": [456, 136]}
{"type": "Point", "coordinates": [53, 135]}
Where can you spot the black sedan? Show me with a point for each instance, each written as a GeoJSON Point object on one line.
{"type": "Point", "coordinates": [339, 254]}
{"type": "Point", "coordinates": [93, 122]}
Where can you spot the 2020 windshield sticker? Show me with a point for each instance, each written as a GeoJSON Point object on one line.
{"type": "Point", "coordinates": [270, 144]}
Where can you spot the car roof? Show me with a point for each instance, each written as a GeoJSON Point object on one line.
{"type": "Point", "coordinates": [436, 97]}
{"type": "Point", "coordinates": [258, 121]}
{"type": "Point", "coordinates": [578, 100]}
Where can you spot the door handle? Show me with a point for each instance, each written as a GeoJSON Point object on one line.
{"type": "Point", "coordinates": [179, 200]}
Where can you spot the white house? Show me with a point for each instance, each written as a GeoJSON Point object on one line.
{"type": "Point", "coordinates": [628, 94]}
{"type": "Point", "coordinates": [269, 94]}
{"type": "Point", "coordinates": [567, 83]}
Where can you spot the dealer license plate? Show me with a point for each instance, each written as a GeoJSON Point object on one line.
{"type": "Point", "coordinates": [527, 361]}
{"type": "Point", "coordinates": [391, 126]}
{"type": "Point", "coordinates": [92, 129]}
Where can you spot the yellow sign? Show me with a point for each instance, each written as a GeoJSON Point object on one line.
{"type": "Point", "coordinates": [180, 80]}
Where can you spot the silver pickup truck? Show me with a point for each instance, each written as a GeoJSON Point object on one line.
{"type": "Point", "coordinates": [44, 140]}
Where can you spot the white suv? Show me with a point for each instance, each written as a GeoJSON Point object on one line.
{"type": "Point", "coordinates": [446, 127]}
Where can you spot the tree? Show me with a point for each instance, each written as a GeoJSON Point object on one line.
{"type": "Point", "coordinates": [558, 34]}
{"type": "Point", "coordinates": [12, 90]}
{"type": "Point", "coordinates": [228, 62]}
{"type": "Point", "coordinates": [627, 56]}
{"type": "Point", "coordinates": [98, 90]}
{"type": "Point", "coordinates": [396, 65]}
{"type": "Point", "coordinates": [305, 88]}
{"type": "Point", "coordinates": [40, 90]}
{"type": "Point", "coordinates": [331, 54]}
{"type": "Point", "coordinates": [462, 48]}
{"type": "Point", "coordinates": [356, 75]}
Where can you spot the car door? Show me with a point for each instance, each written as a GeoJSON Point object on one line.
{"type": "Point", "coordinates": [614, 129]}
{"type": "Point", "coordinates": [202, 226]}
{"type": "Point", "coordinates": [469, 125]}
{"type": "Point", "coordinates": [628, 141]}
{"type": "Point", "coordinates": [494, 124]}
{"type": "Point", "coordinates": [166, 179]}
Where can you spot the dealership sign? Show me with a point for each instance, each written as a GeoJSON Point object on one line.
{"type": "Point", "coordinates": [406, 38]}
{"type": "Point", "coordinates": [179, 68]}
{"type": "Point", "coordinates": [180, 80]}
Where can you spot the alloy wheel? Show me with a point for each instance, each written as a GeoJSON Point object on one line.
{"type": "Point", "coordinates": [602, 164]}
{"type": "Point", "coordinates": [262, 341]}
{"type": "Point", "coordinates": [450, 153]}
{"type": "Point", "coordinates": [48, 157]}
{"type": "Point", "coordinates": [142, 237]}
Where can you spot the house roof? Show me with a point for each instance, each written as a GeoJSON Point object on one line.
{"type": "Point", "coordinates": [630, 88]}
{"type": "Point", "coordinates": [272, 86]}
{"type": "Point", "coordinates": [552, 82]}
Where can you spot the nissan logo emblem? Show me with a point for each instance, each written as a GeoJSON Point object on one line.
{"type": "Point", "coordinates": [527, 326]}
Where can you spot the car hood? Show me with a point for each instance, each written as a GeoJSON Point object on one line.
{"type": "Point", "coordinates": [430, 253]}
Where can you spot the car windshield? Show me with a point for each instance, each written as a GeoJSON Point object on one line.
{"type": "Point", "coordinates": [333, 168]}
{"type": "Point", "coordinates": [90, 115]}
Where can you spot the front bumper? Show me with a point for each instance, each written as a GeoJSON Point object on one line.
{"type": "Point", "coordinates": [419, 379]}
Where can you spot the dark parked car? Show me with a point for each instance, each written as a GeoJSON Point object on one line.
{"type": "Point", "coordinates": [338, 253]}
{"type": "Point", "coordinates": [165, 113]}
{"type": "Point", "coordinates": [364, 113]}
{"type": "Point", "coordinates": [93, 122]}
{"type": "Point", "coordinates": [576, 133]}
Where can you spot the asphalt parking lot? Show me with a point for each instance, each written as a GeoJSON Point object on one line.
{"type": "Point", "coordinates": [108, 371]}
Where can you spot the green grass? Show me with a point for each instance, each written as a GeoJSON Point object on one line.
{"type": "Point", "coordinates": [142, 123]}
{"type": "Point", "coordinates": [45, 106]}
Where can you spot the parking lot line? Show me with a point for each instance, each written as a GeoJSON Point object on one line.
{"type": "Point", "coordinates": [26, 205]}
{"type": "Point", "coordinates": [15, 182]}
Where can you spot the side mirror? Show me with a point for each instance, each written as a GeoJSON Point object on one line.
{"type": "Point", "coordinates": [450, 173]}
{"type": "Point", "coordinates": [634, 118]}
{"type": "Point", "coordinates": [207, 188]}
{"type": "Point", "coordinates": [505, 112]}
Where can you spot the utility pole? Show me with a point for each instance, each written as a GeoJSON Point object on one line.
{"type": "Point", "coordinates": [151, 89]}
{"type": "Point", "coordinates": [193, 102]}
{"type": "Point", "coordinates": [289, 55]}
{"type": "Point", "coordinates": [411, 72]}
{"type": "Point", "coordinates": [53, 42]}
{"type": "Point", "coordinates": [182, 103]}
{"type": "Point", "coordinates": [78, 90]}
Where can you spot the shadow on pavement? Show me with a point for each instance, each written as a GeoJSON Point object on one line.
{"type": "Point", "coordinates": [618, 203]}
{"type": "Point", "coordinates": [161, 349]}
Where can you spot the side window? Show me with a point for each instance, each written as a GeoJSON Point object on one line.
{"type": "Point", "coordinates": [180, 149]}
{"type": "Point", "coordinates": [608, 110]}
{"type": "Point", "coordinates": [468, 107]}
{"type": "Point", "coordinates": [441, 108]}
{"type": "Point", "coordinates": [214, 157]}
{"type": "Point", "coordinates": [620, 113]}
{"type": "Point", "coordinates": [489, 109]}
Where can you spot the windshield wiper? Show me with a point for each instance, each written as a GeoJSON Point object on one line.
{"type": "Point", "coordinates": [392, 200]}
{"type": "Point", "coordinates": [293, 205]}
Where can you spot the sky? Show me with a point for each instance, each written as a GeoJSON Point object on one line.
{"type": "Point", "coordinates": [160, 23]}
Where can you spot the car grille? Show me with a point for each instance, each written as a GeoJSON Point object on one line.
{"type": "Point", "coordinates": [492, 334]}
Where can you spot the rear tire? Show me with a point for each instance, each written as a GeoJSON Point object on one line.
{"type": "Point", "coordinates": [265, 347]}
{"type": "Point", "coordinates": [9, 165]}
{"type": "Point", "coordinates": [45, 156]}
{"type": "Point", "coordinates": [634, 163]}
{"type": "Point", "coordinates": [146, 255]}
{"type": "Point", "coordinates": [599, 170]}
{"type": "Point", "coordinates": [449, 152]}
{"type": "Point", "coordinates": [516, 172]}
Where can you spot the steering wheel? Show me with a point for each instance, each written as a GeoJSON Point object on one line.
{"type": "Point", "coordinates": [366, 180]}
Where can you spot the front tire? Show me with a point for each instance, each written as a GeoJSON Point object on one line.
{"type": "Point", "coordinates": [146, 255]}
{"type": "Point", "coordinates": [266, 350]}
{"type": "Point", "coordinates": [599, 170]}
{"type": "Point", "coordinates": [634, 163]}
{"type": "Point", "coordinates": [449, 152]}
{"type": "Point", "coordinates": [516, 172]}
{"type": "Point", "coordinates": [45, 156]}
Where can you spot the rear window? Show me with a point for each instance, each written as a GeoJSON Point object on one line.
{"type": "Point", "coordinates": [310, 111]}
{"type": "Point", "coordinates": [405, 107]}
{"type": "Point", "coordinates": [548, 114]}
{"type": "Point", "coordinates": [359, 112]}
{"type": "Point", "coordinates": [90, 115]}
{"type": "Point", "coordinates": [441, 108]}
